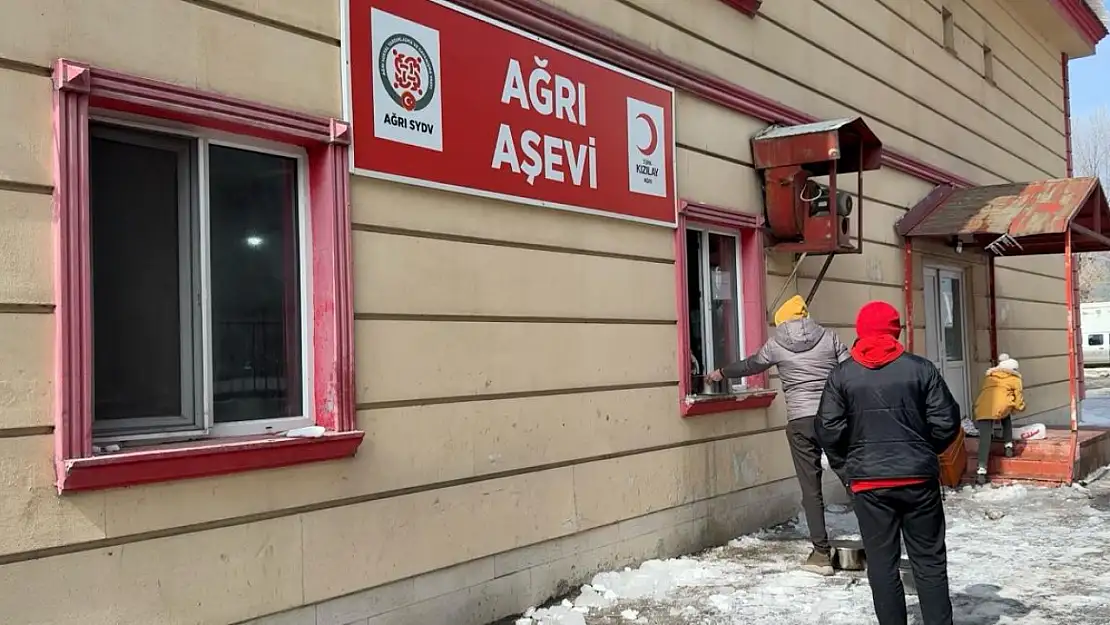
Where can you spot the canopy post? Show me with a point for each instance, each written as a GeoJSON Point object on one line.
{"type": "Point", "coordinates": [1073, 386]}
{"type": "Point", "coordinates": [907, 290]}
{"type": "Point", "coordinates": [992, 308]}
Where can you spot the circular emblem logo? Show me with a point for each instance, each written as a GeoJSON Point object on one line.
{"type": "Point", "coordinates": [406, 70]}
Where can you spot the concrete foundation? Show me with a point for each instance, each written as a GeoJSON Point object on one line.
{"type": "Point", "coordinates": [485, 590]}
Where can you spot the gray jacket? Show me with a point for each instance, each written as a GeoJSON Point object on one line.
{"type": "Point", "coordinates": [805, 353]}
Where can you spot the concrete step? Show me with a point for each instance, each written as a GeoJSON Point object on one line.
{"type": "Point", "coordinates": [1048, 460]}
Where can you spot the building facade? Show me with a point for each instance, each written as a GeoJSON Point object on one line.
{"type": "Point", "coordinates": [276, 352]}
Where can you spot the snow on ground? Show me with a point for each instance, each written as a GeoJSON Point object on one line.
{"type": "Point", "coordinates": [1017, 554]}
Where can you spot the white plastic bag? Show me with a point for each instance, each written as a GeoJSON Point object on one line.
{"type": "Point", "coordinates": [1034, 432]}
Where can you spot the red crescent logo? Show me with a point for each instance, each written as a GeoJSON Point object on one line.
{"type": "Point", "coordinates": [654, 143]}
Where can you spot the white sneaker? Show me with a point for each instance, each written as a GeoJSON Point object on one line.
{"type": "Point", "coordinates": [969, 427]}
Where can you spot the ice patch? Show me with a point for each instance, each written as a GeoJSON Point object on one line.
{"type": "Point", "coordinates": [1005, 493]}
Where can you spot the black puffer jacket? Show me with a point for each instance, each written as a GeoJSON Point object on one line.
{"type": "Point", "coordinates": [889, 422]}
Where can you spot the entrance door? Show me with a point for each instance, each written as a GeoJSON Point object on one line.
{"type": "Point", "coordinates": [945, 329]}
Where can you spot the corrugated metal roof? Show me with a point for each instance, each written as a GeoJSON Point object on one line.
{"type": "Point", "coordinates": [777, 132]}
{"type": "Point", "coordinates": [1018, 209]}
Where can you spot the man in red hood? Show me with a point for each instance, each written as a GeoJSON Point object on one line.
{"type": "Point", "coordinates": [884, 417]}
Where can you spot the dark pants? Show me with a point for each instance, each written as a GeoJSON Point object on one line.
{"type": "Point", "coordinates": [915, 515]}
{"type": "Point", "coordinates": [806, 452]}
{"type": "Point", "coordinates": [986, 431]}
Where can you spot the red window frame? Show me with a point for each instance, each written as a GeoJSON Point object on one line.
{"type": "Point", "coordinates": [79, 88]}
{"type": "Point", "coordinates": [747, 7]}
{"type": "Point", "coordinates": [747, 228]}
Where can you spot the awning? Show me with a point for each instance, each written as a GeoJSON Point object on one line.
{"type": "Point", "coordinates": [1015, 219]}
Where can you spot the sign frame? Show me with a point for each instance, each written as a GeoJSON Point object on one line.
{"type": "Point", "coordinates": [348, 113]}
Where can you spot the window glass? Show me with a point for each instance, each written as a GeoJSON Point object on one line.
{"type": "Point", "coordinates": [256, 285]}
{"type": "Point", "coordinates": [724, 314]}
{"type": "Point", "coordinates": [1094, 339]}
{"type": "Point", "coordinates": [699, 364]}
{"type": "Point", "coordinates": [136, 229]}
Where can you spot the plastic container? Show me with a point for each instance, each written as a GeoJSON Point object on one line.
{"type": "Point", "coordinates": [1034, 432]}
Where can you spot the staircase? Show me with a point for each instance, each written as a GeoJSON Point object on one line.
{"type": "Point", "coordinates": [1045, 462]}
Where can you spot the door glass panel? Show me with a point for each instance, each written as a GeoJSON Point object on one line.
{"type": "Point", "coordinates": [952, 315]}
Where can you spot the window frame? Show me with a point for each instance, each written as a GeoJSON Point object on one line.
{"type": "Point", "coordinates": [196, 143]}
{"type": "Point", "coordinates": [83, 93]}
{"type": "Point", "coordinates": [188, 423]}
{"type": "Point", "coordinates": [747, 7]}
{"type": "Point", "coordinates": [304, 242]}
{"type": "Point", "coordinates": [704, 230]}
{"type": "Point", "coordinates": [750, 294]}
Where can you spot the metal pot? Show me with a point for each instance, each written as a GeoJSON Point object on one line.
{"type": "Point", "coordinates": [848, 555]}
{"type": "Point", "coordinates": [906, 572]}
{"type": "Point", "coordinates": [709, 387]}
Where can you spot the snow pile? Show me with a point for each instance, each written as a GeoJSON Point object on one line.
{"type": "Point", "coordinates": [1017, 554]}
{"type": "Point", "coordinates": [1099, 9]}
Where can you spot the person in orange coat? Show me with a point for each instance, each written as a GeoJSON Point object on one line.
{"type": "Point", "coordinates": [999, 397]}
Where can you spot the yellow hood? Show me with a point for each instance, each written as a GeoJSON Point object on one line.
{"type": "Point", "coordinates": [791, 309]}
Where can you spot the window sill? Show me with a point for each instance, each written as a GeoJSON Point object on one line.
{"type": "Point", "coordinates": [697, 405]}
{"type": "Point", "coordinates": [181, 461]}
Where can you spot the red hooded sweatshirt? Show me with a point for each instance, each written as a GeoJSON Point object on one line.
{"type": "Point", "coordinates": [878, 327]}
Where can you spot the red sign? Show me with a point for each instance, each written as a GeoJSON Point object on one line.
{"type": "Point", "coordinates": [443, 97]}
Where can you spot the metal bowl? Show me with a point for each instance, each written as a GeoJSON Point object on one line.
{"type": "Point", "coordinates": [848, 555]}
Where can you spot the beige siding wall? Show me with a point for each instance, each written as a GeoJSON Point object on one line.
{"type": "Point", "coordinates": [516, 367]}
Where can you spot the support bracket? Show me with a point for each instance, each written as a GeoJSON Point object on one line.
{"type": "Point", "coordinates": [794, 273]}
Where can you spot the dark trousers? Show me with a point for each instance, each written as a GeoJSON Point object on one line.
{"type": "Point", "coordinates": [804, 448]}
{"type": "Point", "coordinates": [986, 431]}
{"type": "Point", "coordinates": [915, 515]}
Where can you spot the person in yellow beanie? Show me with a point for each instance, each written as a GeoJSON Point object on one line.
{"type": "Point", "coordinates": [805, 353]}
{"type": "Point", "coordinates": [792, 309]}
{"type": "Point", "coordinates": [1000, 396]}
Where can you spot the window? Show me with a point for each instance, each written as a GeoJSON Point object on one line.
{"type": "Point", "coordinates": [197, 307]}
{"type": "Point", "coordinates": [720, 271]}
{"type": "Point", "coordinates": [988, 64]}
{"type": "Point", "coordinates": [1094, 340]}
{"type": "Point", "coordinates": [949, 26]}
{"type": "Point", "coordinates": [712, 284]}
{"type": "Point", "coordinates": [199, 238]}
